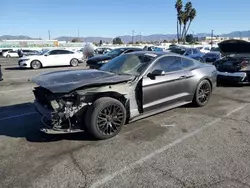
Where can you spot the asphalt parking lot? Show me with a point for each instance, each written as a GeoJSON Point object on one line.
{"type": "Point", "coordinates": [185, 147]}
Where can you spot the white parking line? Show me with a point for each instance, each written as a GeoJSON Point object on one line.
{"type": "Point", "coordinates": [20, 115]}
{"type": "Point", "coordinates": [17, 78]}
{"type": "Point", "coordinates": [131, 166]}
{"type": "Point", "coordinates": [13, 90]}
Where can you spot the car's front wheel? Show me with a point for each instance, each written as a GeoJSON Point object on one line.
{"type": "Point", "coordinates": [202, 93]}
{"type": "Point", "coordinates": [105, 118]}
{"type": "Point", "coordinates": [8, 56]}
{"type": "Point", "coordinates": [36, 64]}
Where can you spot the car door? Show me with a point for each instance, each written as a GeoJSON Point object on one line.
{"type": "Point", "coordinates": [55, 58]}
{"type": "Point", "coordinates": [50, 58]}
{"type": "Point", "coordinates": [190, 81]}
{"type": "Point", "coordinates": [166, 89]}
{"type": "Point", "coordinates": [65, 57]}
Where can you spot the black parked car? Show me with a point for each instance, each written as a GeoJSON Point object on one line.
{"type": "Point", "coordinates": [211, 57]}
{"type": "Point", "coordinates": [1, 74]}
{"type": "Point", "coordinates": [234, 67]}
{"type": "Point", "coordinates": [98, 61]}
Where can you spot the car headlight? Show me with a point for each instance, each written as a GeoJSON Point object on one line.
{"type": "Point", "coordinates": [105, 61]}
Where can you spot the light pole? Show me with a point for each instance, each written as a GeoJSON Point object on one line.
{"type": "Point", "coordinates": [49, 34]}
{"type": "Point", "coordinates": [78, 35]}
{"type": "Point", "coordinates": [212, 35]}
{"type": "Point", "coordinates": [133, 36]}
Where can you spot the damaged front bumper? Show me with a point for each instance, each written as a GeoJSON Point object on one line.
{"type": "Point", "coordinates": [49, 119]}
{"type": "Point", "coordinates": [236, 77]}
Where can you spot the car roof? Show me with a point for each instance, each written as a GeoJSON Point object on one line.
{"type": "Point", "coordinates": [128, 48]}
{"type": "Point", "coordinates": [156, 53]}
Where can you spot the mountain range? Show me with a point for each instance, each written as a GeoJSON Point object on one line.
{"type": "Point", "coordinates": [128, 38]}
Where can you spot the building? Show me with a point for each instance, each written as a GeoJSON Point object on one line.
{"type": "Point", "coordinates": [217, 39]}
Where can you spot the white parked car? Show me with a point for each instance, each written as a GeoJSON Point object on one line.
{"type": "Point", "coordinates": [56, 57]}
{"type": "Point", "coordinates": [10, 53]}
{"type": "Point", "coordinates": [204, 49]}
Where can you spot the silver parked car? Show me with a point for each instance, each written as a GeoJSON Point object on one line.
{"type": "Point", "coordinates": [129, 87]}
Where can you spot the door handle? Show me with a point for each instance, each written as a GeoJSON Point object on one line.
{"type": "Point", "coordinates": [182, 77]}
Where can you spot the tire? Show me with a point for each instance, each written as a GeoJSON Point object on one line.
{"type": "Point", "coordinates": [99, 112]}
{"type": "Point", "coordinates": [35, 64]}
{"type": "Point", "coordinates": [202, 93]}
{"type": "Point", "coordinates": [8, 56]}
{"type": "Point", "coordinates": [74, 62]}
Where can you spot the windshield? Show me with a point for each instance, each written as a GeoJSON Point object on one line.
{"type": "Point", "coordinates": [43, 52]}
{"type": "Point", "coordinates": [114, 53]}
{"type": "Point", "coordinates": [132, 64]}
{"type": "Point", "coordinates": [211, 55]}
{"type": "Point", "coordinates": [180, 51]}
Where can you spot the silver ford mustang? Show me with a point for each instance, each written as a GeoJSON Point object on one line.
{"type": "Point", "coordinates": [127, 88]}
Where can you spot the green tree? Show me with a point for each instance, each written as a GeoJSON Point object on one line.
{"type": "Point", "coordinates": [190, 38]}
{"type": "Point", "coordinates": [75, 40]}
{"type": "Point", "coordinates": [178, 7]}
{"type": "Point", "coordinates": [117, 40]}
{"type": "Point", "coordinates": [165, 41]}
{"type": "Point", "coordinates": [184, 19]}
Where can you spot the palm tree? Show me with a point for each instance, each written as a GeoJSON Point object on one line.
{"type": "Point", "coordinates": [185, 18]}
{"type": "Point", "coordinates": [178, 7]}
{"type": "Point", "coordinates": [191, 16]}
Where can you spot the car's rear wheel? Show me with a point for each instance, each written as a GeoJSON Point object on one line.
{"type": "Point", "coordinates": [202, 93]}
{"type": "Point", "coordinates": [105, 118]}
{"type": "Point", "coordinates": [74, 62]}
{"type": "Point", "coordinates": [36, 64]}
{"type": "Point", "coordinates": [8, 56]}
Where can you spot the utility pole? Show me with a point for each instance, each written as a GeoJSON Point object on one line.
{"type": "Point", "coordinates": [212, 35]}
{"type": "Point", "coordinates": [49, 34]}
{"type": "Point", "coordinates": [133, 32]}
{"type": "Point", "coordinates": [78, 35]}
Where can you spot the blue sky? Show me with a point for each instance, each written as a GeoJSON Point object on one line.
{"type": "Point", "coordinates": [111, 18]}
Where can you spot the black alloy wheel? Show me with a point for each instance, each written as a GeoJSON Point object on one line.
{"type": "Point", "coordinates": [105, 117]}
{"type": "Point", "coordinates": [110, 119]}
{"type": "Point", "coordinates": [202, 94]}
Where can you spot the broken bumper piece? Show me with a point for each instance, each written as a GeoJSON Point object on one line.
{"type": "Point", "coordinates": [47, 122]}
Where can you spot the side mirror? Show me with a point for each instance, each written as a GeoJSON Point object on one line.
{"type": "Point", "coordinates": [157, 72]}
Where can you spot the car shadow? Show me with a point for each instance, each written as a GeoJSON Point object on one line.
{"type": "Point", "coordinates": [231, 85]}
{"type": "Point", "coordinates": [15, 68]}
{"type": "Point", "coordinates": [22, 121]}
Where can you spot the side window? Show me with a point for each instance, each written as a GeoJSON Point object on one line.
{"type": "Point", "coordinates": [65, 52]}
{"type": "Point", "coordinates": [206, 48]}
{"type": "Point", "coordinates": [168, 64]}
{"type": "Point", "coordinates": [53, 52]}
{"type": "Point", "coordinates": [195, 51]}
{"type": "Point", "coordinates": [128, 51]}
{"type": "Point", "coordinates": [188, 52]}
{"type": "Point", "coordinates": [186, 63]}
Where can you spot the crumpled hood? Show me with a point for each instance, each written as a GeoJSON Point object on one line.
{"type": "Point", "coordinates": [234, 46]}
{"type": "Point", "coordinates": [67, 81]}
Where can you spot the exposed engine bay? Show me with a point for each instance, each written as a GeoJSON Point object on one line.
{"type": "Point", "coordinates": [63, 109]}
